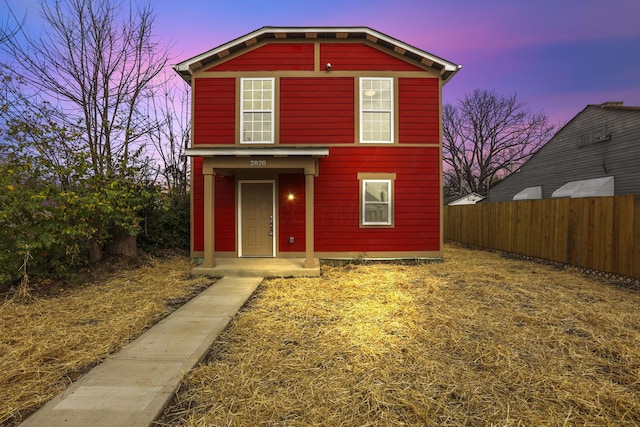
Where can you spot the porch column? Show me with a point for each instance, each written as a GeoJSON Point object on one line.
{"type": "Point", "coordinates": [309, 261]}
{"type": "Point", "coordinates": [209, 224]}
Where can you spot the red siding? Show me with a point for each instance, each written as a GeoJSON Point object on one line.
{"type": "Point", "coordinates": [321, 110]}
{"type": "Point", "coordinates": [272, 57]}
{"type": "Point", "coordinates": [291, 220]}
{"type": "Point", "coordinates": [417, 200]}
{"type": "Point", "coordinates": [417, 203]}
{"type": "Point", "coordinates": [316, 110]}
{"type": "Point", "coordinates": [358, 56]}
{"type": "Point", "coordinates": [197, 193]}
{"type": "Point", "coordinates": [225, 215]}
{"type": "Point", "coordinates": [418, 104]}
{"type": "Point", "coordinates": [215, 111]}
{"type": "Point", "coordinates": [225, 210]}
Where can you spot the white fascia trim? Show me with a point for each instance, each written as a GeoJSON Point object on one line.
{"type": "Point", "coordinates": [448, 66]}
{"type": "Point", "coordinates": [208, 152]}
{"type": "Point", "coordinates": [185, 65]}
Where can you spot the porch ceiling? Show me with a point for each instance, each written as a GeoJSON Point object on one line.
{"type": "Point", "coordinates": [228, 160]}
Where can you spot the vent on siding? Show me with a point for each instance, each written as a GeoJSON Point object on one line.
{"type": "Point", "coordinates": [597, 135]}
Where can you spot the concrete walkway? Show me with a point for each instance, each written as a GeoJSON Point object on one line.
{"type": "Point", "coordinates": [133, 386]}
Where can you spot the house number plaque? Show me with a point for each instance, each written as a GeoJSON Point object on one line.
{"type": "Point", "coordinates": [257, 163]}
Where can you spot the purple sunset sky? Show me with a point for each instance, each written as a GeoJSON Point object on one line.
{"type": "Point", "coordinates": [555, 55]}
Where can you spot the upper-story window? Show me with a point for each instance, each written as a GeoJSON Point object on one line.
{"type": "Point", "coordinates": [256, 118]}
{"type": "Point", "coordinates": [376, 110]}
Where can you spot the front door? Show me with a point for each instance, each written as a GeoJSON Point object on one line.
{"type": "Point", "coordinates": [257, 219]}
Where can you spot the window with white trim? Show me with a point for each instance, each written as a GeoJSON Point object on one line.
{"type": "Point", "coordinates": [376, 201]}
{"type": "Point", "coordinates": [256, 117]}
{"type": "Point", "coordinates": [376, 109]}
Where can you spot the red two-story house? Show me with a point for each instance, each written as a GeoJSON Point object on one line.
{"type": "Point", "coordinates": [316, 143]}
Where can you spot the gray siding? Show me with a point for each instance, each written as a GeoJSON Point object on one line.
{"type": "Point", "coordinates": [575, 153]}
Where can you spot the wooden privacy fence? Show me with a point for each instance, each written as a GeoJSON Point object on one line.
{"type": "Point", "coordinates": [600, 233]}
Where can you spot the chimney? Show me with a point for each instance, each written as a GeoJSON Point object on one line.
{"type": "Point", "coordinates": [612, 104]}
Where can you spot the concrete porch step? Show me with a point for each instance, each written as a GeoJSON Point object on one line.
{"type": "Point", "coordinates": [259, 267]}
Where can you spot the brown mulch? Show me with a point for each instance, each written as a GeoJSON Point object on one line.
{"type": "Point", "coordinates": [478, 339]}
{"type": "Point", "coordinates": [54, 337]}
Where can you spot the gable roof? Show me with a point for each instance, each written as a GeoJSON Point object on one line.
{"type": "Point", "coordinates": [609, 105]}
{"type": "Point", "coordinates": [188, 67]}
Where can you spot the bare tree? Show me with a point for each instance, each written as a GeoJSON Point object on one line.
{"type": "Point", "coordinates": [6, 31]}
{"type": "Point", "coordinates": [93, 68]}
{"type": "Point", "coordinates": [488, 136]}
{"type": "Point", "coordinates": [170, 109]}
{"type": "Point", "coordinates": [96, 61]}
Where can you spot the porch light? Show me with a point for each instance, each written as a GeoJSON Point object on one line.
{"type": "Point", "coordinates": [290, 196]}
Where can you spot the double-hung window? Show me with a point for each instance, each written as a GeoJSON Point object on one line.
{"type": "Point", "coordinates": [376, 110]}
{"type": "Point", "coordinates": [256, 116]}
{"type": "Point", "coordinates": [376, 199]}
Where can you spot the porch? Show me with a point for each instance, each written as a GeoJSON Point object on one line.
{"type": "Point", "coordinates": [259, 267]}
{"type": "Point", "coordinates": [257, 165]}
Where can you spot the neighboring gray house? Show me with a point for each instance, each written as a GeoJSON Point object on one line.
{"type": "Point", "coordinates": [597, 153]}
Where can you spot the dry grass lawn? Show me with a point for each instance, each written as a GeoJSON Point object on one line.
{"type": "Point", "coordinates": [51, 341]}
{"type": "Point", "coordinates": [476, 340]}
{"type": "Point", "coordinates": [479, 339]}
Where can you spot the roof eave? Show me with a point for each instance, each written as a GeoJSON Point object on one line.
{"type": "Point", "coordinates": [186, 68]}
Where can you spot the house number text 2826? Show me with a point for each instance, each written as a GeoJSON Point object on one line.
{"type": "Point", "coordinates": [257, 163]}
